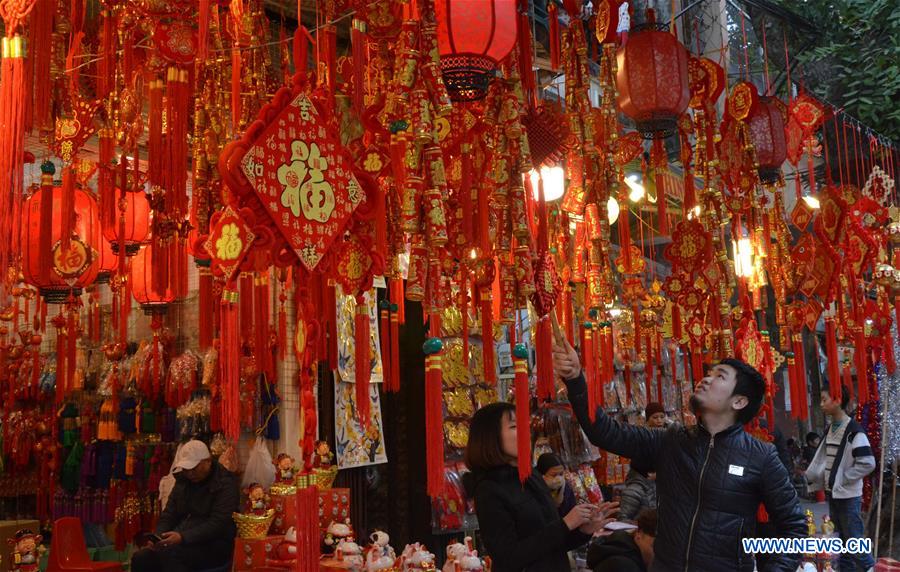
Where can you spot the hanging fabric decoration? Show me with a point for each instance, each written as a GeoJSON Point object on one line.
{"type": "Point", "coordinates": [523, 410]}
{"type": "Point", "coordinates": [434, 430]}
{"type": "Point", "coordinates": [12, 125]}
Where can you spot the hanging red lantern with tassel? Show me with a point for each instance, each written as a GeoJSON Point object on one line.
{"type": "Point", "coordinates": [152, 300]}
{"type": "Point", "coordinates": [59, 273]}
{"type": "Point", "coordinates": [129, 222]}
{"type": "Point", "coordinates": [652, 79]}
{"type": "Point", "coordinates": [766, 127]}
{"type": "Point", "coordinates": [473, 37]}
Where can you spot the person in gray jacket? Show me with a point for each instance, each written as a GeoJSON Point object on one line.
{"type": "Point", "coordinates": [843, 459]}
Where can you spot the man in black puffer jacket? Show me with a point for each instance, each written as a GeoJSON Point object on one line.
{"type": "Point", "coordinates": [710, 479]}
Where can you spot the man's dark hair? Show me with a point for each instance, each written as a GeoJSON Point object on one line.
{"type": "Point", "coordinates": [484, 450]}
{"type": "Point", "coordinates": [749, 383]}
{"type": "Point", "coordinates": [845, 395]}
{"type": "Point", "coordinates": [811, 436]}
{"type": "Point", "coordinates": [646, 521]}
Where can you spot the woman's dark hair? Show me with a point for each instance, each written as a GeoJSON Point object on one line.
{"type": "Point", "coordinates": [749, 383]}
{"type": "Point", "coordinates": [646, 521]}
{"type": "Point", "coordinates": [811, 436]}
{"type": "Point", "coordinates": [547, 461]}
{"type": "Point", "coordinates": [484, 450]}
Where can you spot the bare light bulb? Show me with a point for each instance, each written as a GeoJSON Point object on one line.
{"type": "Point", "coordinates": [554, 182]}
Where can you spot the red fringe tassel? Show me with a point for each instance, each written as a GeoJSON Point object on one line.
{"type": "Point", "coordinates": [434, 431]}
{"type": "Point", "coordinates": [834, 375]}
{"type": "Point", "coordinates": [308, 533]}
{"type": "Point", "coordinates": [523, 416]}
{"type": "Point", "coordinates": [487, 338]}
{"type": "Point", "coordinates": [230, 367]}
{"type": "Point", "coordinates": [546, 380]}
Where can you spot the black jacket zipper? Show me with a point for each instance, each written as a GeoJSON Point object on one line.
{"type": "Point", "coordinates": [687, 556]}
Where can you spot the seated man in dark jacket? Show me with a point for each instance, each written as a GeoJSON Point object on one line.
{"type": "Point", "coordinates": [626, 551]}
{"type": "Point", "coordinates": [196, 529]}
{"type": "Point", "coordinates": [710, 479]}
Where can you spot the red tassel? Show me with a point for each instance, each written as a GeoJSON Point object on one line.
{"type": "Point", "coordinates": [526, 61]}
{"type": "Point", "coordinates": [385, 344]}
{"type": "Point", "coordinates": [395, 349]}
{"type": "Point", "coordinates": [600, 378]}
{"type": "Point", "coordinates": [833, 367]}
{"type": "Point", "coordinates": [203, 32]}
{"type": "Point", "coordinates": [676, 323]}
{"type": "Point", "coordinates": [523, 411]}
{"type": "Point", "coordinates": [553, 18]}
{"type": "Point", "coordinates": [660, 161]}
{"type": "Point", "coordinates": [206, 308]}
{"type": "Point", "coordinates": [360, 63]}
{"type": "Point", "coordinates": [800, 360]}
{"type": "Point", "coordinates": [330, 296]}
{"type": "Point", "coordinates": [434, 414]}
{"type": "Point", "coordinates": [487, 338]}
{"type": "Point", "coordinates": [546, 380]}
{"type": "Point", "coordinates": [236, 88]}
{"type": "Point", "coordinates": [230, 366]}
{"type": "Point", "coordinates": [362, 358]}
{"type": "Point", "coordinates": [307, 529]}
{"type": "Point", "coordinates": [587, 352]}
{"type": "Point", "coordinates": [609, 355]}
{"type": "Point", "coordinates": [696, 364]}
{"type": "Point", "coordinates": [41, 30]}
{"type": "Point", "coordinates": [626, 375]}
{"type": "Point", "coordinates": [71, 348]}
{"type": "Point", "coordinates": [862, 369]}
{"type": "Point", "coordinates": [648, 371]}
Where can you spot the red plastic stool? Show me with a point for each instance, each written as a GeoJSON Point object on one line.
{"type": "Point", "coordinates": [68, 552]}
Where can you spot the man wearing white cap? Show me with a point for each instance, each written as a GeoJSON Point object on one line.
{"type": "Point", "coordinates": [195, 530]}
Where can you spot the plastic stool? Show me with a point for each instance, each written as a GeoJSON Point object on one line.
{"type": "Point", "coordinates": [68, 552]}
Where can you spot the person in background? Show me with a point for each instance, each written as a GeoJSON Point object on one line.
{"type": "Point", "coordinates": [655, 414]}
{"type": "Point", "coordinates": [626, 551]}
{"type": "Point", "coordinates": [711, 478]}
{"type": "Point", "coordinates": [640, 484]}
{"type": "Point", "coordinates": [812, 443]}
{"type": "Point", "coordinates": [841, 462]}
{"type": "Point", "coordinates": [554, 473]}
{"type": "Point", "coordinates": [519, 523]}
{"type": "Point", "coordinates": [780, 445]}
{"type": "Point", "coordinates": [196, 531]}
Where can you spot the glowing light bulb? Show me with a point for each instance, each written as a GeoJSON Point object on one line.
{"type": "Point", "coordinates": [612, 210]}
{"type": "Point", "coordinates": [637, 189]}
{"type": "Point", "coordinates": [812, 202]}
{"type": "Point", "coordinates": [554, 182]}
{"type": "Point", "coordinates": [743, 257]}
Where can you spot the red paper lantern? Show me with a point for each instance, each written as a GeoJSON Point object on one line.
{"type": "Point", "coordinates": [473, 37]}
{"type": "Point", "coordinates": [137, 222]}
{"type": "Point", "coordinates": [107, 264]}
{"type": "Point", "coordinates": [57, 274]}
{"type": "Point", "coordinates": [652, 79]}
{"type": "Point", "coordinates": [766, 125]}
{"type": "Point", "coordinates": [152, 300]}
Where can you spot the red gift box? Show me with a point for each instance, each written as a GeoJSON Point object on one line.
{"type": "Point", "coordinates": [285, 513]}
{"type": "Point", "coordinates": [251, 554]}
{"type": "Point", "coordinates": [334, 506]}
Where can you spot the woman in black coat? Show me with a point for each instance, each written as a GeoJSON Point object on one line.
{"type": "Point", "coordinates": [519, 524]}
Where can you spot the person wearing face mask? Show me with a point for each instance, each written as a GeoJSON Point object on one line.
{"type": "Point", "coordinates": [519, 523]}
{"type": "Point", "coordinates": [551, 468]}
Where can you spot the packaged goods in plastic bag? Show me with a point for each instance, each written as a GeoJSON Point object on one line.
{"type": "Point", "coordinates": [260, 468]}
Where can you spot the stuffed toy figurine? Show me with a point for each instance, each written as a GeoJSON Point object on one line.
{"type": "Point", "coordinates": [349, 553]}
{"type": "Point", "coordinates": [26, 552]}
{"type": "Point", "coordinates": [286, 552]}
{"type": "Point", "coordinates": [335, 532]}
{"type": "Point", "coordinates": [257, 500]}
{"type": "Point", "coordinates": [416, 558]}
{"type": "Point", "coordinates": [323, 457]}
{"type": "Point", "coordinates": [380, 555]}
{"type": "Point", "coordinates": [284, 465]}
{"type": "Point", "coordinates": [461, 557]}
